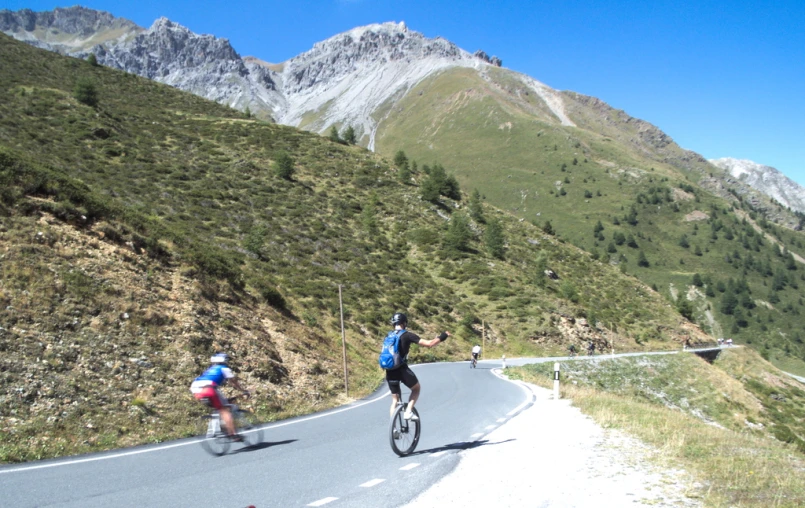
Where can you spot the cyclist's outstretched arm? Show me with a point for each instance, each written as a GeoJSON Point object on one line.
{"type": "Point", "coordinates": [438, 339]}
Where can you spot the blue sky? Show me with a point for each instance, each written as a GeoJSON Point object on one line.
{"type": "Point", "coordinates": [723, 78]}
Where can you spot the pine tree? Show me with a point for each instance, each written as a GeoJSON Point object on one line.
{"type": "Point", "coordinates": [642, 260]}
{"type": "Point", "coordinates": [283, 165]}
{"type": "Point", "coordinates": [85, 92]}
{"type": "Point", "coordinates": [494, 239]}
{"type": "Point", "coordinates": [334, 137]}
{"type": "Point", "coordinates": [728, 302]}
{"type": "Point", "coordinates": [349, 135]}
{"type": "Point", "coordinates": [92, 60]}
{"type": "Point", "coordinates": [458, 234]}
{"type": "Point", "coordinates": [400, 159]}
{"type": "Point", "coordinates": [476, 208]}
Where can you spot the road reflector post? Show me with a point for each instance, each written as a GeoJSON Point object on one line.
{"type": "Point", "coordinates": [556, 381]}
{"type": "Point", "coordinates": [504, 361]}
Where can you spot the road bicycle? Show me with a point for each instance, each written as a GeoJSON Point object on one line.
{"type": "Point", "coordinates": [213, 436]}
{"type": "Point", "coordinates": [473, 362]}
{"type": "Point", "coordinates": [404, 434]}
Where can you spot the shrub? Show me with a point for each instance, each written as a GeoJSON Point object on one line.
{"type": "Point", "coordinates": [283, 165]}
{"type": "Point", "coordinates": [85, 92]}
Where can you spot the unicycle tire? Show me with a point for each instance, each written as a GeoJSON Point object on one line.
{"type": "Point", "coordinates": [404, 434]}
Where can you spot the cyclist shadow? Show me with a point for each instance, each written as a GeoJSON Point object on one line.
{"type": "Point", "coordinates": [263, 445]}
{"type": "Point", "coordinates": [462, 445]}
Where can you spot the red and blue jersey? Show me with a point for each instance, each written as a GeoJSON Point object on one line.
{"type": "Point", "coordinates": [217, 374]}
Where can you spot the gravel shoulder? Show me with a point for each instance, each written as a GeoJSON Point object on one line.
{"type": "Point", "coordinates": [551, 454]}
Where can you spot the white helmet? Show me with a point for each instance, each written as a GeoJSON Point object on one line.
{"type": "Point", "coordinates": [219, 358]}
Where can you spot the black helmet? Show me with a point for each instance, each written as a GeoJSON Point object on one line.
{"type": "Point", "coordinates": [399, 319]}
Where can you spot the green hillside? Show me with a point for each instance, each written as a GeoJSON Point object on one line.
{"type": "Point", "coordinates": [144, 228]}
{"type": "Point", "coordinates": [620, 189]}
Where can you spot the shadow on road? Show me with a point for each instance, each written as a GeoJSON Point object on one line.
{"type": "Point", "coordinates": [263, 445]}
{"type": "Point", "coordinates": [463, 445]}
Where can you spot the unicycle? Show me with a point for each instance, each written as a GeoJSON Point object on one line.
{"type": "Point", "coordinates": [404, 434]}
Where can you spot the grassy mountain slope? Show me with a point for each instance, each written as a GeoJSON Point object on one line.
{"type": "Point", "coordinates": [147, 231]}
{"type": "Point", "coordinates": [660, 218]}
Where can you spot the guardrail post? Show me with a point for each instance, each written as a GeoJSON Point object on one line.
{"type": "Point", "coordinates": [556, 381]}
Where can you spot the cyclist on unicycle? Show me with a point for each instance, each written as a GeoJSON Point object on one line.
{"type": "Point", "coordinates": [403, 373]}
{"type": "Point", "coordinates": [205, 390]}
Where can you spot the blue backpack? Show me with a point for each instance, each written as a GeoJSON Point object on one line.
{"type": "Point", "coordinates": [390, 354]}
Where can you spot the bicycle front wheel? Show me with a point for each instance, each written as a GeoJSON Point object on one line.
{"type": "Point", "coordinates": [211, 436]}
{"type": "Point", "coordinates": [248, 428]}
{"type": "Point", "coordinates": [404, 434]}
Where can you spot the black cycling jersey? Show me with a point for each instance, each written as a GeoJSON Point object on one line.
{"type": "Point", "coordinates": [406, 340]}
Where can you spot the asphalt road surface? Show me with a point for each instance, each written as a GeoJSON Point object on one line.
{"type": "Point", "coordinates": [339, 457]}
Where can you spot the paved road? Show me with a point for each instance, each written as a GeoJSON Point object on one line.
{"type": "Point", "coordinates": [335, 458]}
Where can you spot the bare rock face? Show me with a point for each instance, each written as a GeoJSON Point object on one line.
{"type": "Point", "coordinates": [64, 30]}
{"type": "Point", "coordinates": [765, 179]}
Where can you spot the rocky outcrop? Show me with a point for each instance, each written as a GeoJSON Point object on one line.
{"type": "Point", "coordinates": [497, 62]}
{"type": "Point", "coordinates": [65, 30]}
{"type": "Point", "coordinates": [765, 179]}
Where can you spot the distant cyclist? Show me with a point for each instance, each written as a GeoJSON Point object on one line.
{"type": "Point", "coordinates": [591, 348]}
{"type": "Point", "coordinates": [403, 373]}
{"type": "Point", "coordinates": [205, 390]}
{"type": "Point", "coordinates": [476, 352]}
{"type": "Point", "coordinates": [572, 350]}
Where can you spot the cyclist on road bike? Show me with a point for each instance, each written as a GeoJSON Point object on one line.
{"type": "Point", "coordinates": [572, 350]}
{"type": "Point", "coordinates": [476, 352]}
{"type": "Point", "coordinates": [403, 373]}
{"type": "Point", "coordinates": [205, 390]}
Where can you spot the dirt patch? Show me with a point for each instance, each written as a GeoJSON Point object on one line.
{"type": "Point", "coordinates": [696, 215]}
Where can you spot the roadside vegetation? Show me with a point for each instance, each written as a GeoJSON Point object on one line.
{"type": "Point", "coordinates": [737, 425]}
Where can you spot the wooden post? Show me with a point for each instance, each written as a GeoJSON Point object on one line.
{"type": "Point", "coordinates": [343, 341]}
{"type": "Point", "coordinates": [483, 336]}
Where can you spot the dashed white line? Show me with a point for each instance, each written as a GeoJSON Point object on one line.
{"type": "Point", "coordinates": [372, 483]}
{"type": "Point", "coordinates": [438, 454]}
{"type": "Point", "coordinates": [322, 502]}
{"type": "Point", "coordinates": [410, 466]}
{"type": "Point", "coordinates": [490, 427]}
{"type": "Point", "coordinates": [501, 420]}
{"type": "Point", "coordinates": [476, 435]}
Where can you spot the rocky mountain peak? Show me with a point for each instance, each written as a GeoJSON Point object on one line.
{"type": "Point", "coordinates": [374, 44]}
{"type": "Point", "coordinates": [765, 179]}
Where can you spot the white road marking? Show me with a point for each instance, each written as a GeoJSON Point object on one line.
{"type": "Point", "coordinates": [490, 427]}
{"type": "Point", "coordinates": [185, 443]}
{"type": "Point", "coordinates": [438, 454]}
{"type": "Point", "coordinates": [324, 501]}
{"type": "Point", "coordinates": [372, 483]}
{"type": "Point", "coordinates": [501, 420]}
{"type": "Point", "coordinates": [410, 466]}
{"type": "Point", "coordinates": [476, 435]}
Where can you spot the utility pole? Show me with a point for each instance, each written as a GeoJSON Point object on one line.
{"type": "Point", "coordinates": [343, 341]}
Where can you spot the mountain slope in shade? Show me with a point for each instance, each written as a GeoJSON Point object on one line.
{"type": "Point", "coordinates": [765, 179]}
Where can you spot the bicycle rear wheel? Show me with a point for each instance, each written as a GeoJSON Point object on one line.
{"type": "Point", "coordinates": [404, 434]}
{"type": "Point", "coordinates": [211, 436]}
{"type": "Point", "coordinates": [247, 427]}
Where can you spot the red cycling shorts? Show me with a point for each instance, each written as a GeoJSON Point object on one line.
{"type": "Point", "coordinates": [211, 394]}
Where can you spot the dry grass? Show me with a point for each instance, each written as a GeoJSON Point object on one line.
{"type": "Point", "coordinates": [737, 469]}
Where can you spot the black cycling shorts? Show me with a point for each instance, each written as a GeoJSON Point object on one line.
{"type": "Point", "coordinates": [402, 373]}
{"type": "Point", "coordinates": [475, 355]}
